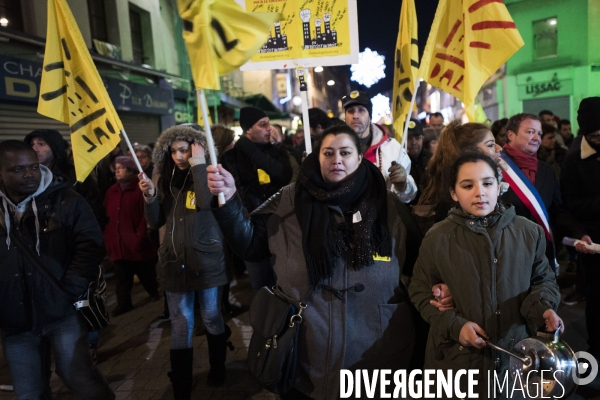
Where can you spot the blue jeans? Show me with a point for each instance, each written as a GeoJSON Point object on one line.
{"type": "Point", "coordinates": [69, 343]}
{"type": "Point", "coordinates": [181, 307]}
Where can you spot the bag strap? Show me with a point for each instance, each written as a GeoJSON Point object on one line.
{"type": "Point", "coordinates": [33, 259]}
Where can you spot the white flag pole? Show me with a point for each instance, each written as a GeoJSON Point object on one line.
{"type": "Point", "coordinates": [301, 72]}
{"type": "Point", "coordinates": [209, 139]}
{"type": "Point", "coordinates": [410, 110]}
{"type": "Point", "coordinates": [306, 125]}
{"type": "Point", "coordinates": [130, 147]}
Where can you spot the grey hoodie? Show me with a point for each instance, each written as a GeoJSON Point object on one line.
{"type": "Point", "coordinates": [18, 210]}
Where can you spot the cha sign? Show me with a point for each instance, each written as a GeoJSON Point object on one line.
{"type": "Point", "coordinates": [312, 33]}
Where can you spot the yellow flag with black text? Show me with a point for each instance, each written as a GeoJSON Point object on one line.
{"type": "Point", "coordinates": [469, 40]}
{"type": "Point", "coordinates": [406, 65]}
{"type": "Point", "coordinates": [220, 37]}
{"type": "Point", "coordinates": [72, 91]}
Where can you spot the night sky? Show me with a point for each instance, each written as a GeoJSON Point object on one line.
{"type": "Point", "coordinates": [378, 29]}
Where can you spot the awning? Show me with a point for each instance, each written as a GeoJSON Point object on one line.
{"type": "Point", "coordinates": [262, 102]}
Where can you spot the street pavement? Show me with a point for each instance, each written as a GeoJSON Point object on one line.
{"type": "Point", "coordinates": [134, 352]}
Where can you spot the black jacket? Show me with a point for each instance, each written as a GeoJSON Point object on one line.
{"type": "Point", "coordinates": [561, 222]}
{"type": "Point", "coordinates": [580, 187]}
{"type": "Point", "coordinates": [71, 248]}
{"type": "Point", "coordinates": [244, 161]}
{"type": "Point", "coordinates": [191, 255]}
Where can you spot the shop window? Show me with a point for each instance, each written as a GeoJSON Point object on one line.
{"type": "Point", "coordinates": [98, 20]}
{"type": "Point", "coordinates": [545, 38]}
{"type": "Point", "coordinates": [135, 21]}
{"type": "Point", "coordinates": [11, 15]}
{"type": "Point", "coordinates": [141, 35]}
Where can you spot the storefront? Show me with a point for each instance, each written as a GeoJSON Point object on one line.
{"type": "Point", "coordinates": [547, 90]}
{"type": "Point", "coordinates": [145, 110]}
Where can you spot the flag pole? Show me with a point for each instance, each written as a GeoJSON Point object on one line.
{"type": "Point", "coordinates": [307, 137]}
{"type": "Point", "coordinates": [410, 110]}
{"type": "Point", "coordinates": [130, 147]}
{"type": "Point", "coordinates": [209, 139]}
{"type": "Point", "coordinates": [301, 71]}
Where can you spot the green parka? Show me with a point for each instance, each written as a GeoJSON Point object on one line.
{"type": "Point", "coordinates": [499, 278]}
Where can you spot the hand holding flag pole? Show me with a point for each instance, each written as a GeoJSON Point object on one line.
{"type": "Point", "coordinates": [220, 36]}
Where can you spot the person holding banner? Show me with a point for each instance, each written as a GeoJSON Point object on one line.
{"type": "Point", "coordinates": [378, 147]}
{"type": "Point", "coordinates": [339, 234]}
{"type": "Point", "coordinates": [191, 261]}
{"type": "Point", "coordinates": [534, 189]}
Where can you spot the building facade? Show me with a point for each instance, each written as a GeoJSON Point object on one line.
{"type": "Point", "coordinates": [558, 66]}
{"type": "Point", "coordinates": [137, 48]}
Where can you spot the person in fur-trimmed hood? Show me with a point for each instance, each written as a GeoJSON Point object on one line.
{"type": "Point", "coordinates": [190, 259]}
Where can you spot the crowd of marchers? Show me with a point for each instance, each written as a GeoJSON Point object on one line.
{"type": "Point", "coordinates": [406, 256]}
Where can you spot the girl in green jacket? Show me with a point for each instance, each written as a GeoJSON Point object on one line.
{"type": "Point", "coordinates": [494, 265]}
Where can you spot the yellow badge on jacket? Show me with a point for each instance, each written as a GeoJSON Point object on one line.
{"type": "Point", "coordinates": [263, 177]}
{"type": "Point", "coordinates": [377, 257]}
{"type": "Point", "coordinates": [190, 200]}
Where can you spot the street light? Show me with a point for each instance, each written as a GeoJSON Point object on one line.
{"type": "Point", "coordinates": [3, 22]}
{"type": "Point", "coordinates": [330, 82]}
{"type": "Point", "coordinates": [318, 69]}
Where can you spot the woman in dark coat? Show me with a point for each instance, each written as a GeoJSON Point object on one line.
{"type": "Point", "coordinates": [190, 259]}
{"type": "Point", "coordinates": [339, 234]}
{"type": "Point", "coordinates": [125, 236]}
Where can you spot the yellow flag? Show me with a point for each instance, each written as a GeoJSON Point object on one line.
{"type": "Point", "coordinates": [72, 91]}
{"type": "Point", "coordinates": [220, 37]}
{"type": "Point", "coordinates": [469, 40]}
{"type": "Point", "coordinates": [406, 66]}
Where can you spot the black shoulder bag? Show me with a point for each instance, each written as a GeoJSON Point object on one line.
{"type": "Point", "coordinates": [273, 352]}
{"type": "Point", "coordinates": [90, 304]}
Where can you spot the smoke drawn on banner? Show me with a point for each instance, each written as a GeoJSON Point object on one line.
{"type": "Point", "coordinates": [310, 28]}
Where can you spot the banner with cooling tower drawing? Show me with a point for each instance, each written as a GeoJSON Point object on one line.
{"type": "Point", "coordinates": [312, 33]}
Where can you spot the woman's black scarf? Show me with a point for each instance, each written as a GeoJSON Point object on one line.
{"type": "Point", "coordinates": [323, 242]}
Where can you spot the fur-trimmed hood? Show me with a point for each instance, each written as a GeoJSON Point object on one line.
{"type": "Point", "coordinates": [185, 133]}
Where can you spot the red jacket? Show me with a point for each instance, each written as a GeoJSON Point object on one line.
{"type": "Point", "coordinates": [125, 233]}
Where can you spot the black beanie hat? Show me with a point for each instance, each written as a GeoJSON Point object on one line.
{"type": "Point", "coordinates": [588, 115]}
{"type": "Point", "coordinates": [249, 116]}
{"type": "Point", "coordinates": [54, 140]}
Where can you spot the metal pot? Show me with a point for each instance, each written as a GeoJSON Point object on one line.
{"type": "Point", "coordinates": [544, 352]}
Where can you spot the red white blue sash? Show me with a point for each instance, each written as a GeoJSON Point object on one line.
{"type": "Point", "coordinates": [527, 193]}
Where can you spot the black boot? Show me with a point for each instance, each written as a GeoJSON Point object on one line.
{"type": "Point", "coordinates": [181, 373]}
{"type": "Point", "coordinates": [217, 352]}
